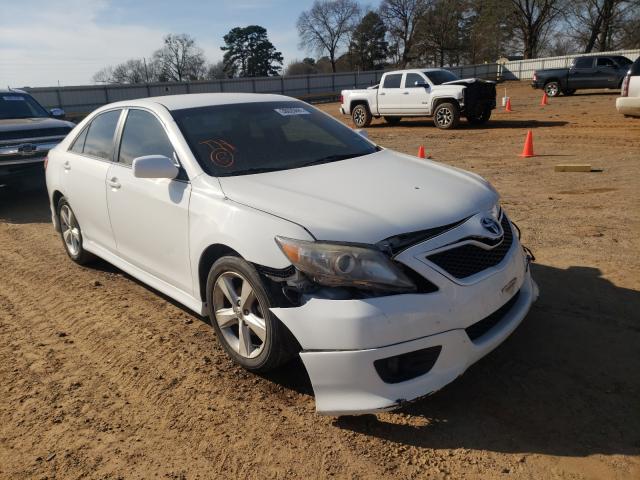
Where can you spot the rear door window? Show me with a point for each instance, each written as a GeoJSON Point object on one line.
{"type": "Point", "coordinates": [584, 62]}
{"type": "Point", "coordinates": [392, 81]}
{"type": "Point", "coordinates": [99, 141]}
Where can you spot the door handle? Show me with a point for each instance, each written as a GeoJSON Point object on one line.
{"type": "Point", "coordinates": [405, 93]}
{"type": "Point", "coordinates": [67, 165]}
{"type": "Point", "coordinates": [113, 183]}
{"type": "Point", "coordinates": [381, 93]}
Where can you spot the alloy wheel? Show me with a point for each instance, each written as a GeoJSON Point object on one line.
{"type": "Point", "coordinates": [551, 89]}
{"type": "Point", "coordinates": [239, 314]}
{"type": "Point", "coordinates": [70, 230]}
{"type": "Point", "coordinates": [444, 116]}
{"type": "Point", "coordinates": [359, 117]}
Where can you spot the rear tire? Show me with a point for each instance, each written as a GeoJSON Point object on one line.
{"type": "Point", "coordinates": [238, 307]}
{"type": "Point", "coordinates": [71, 234]}
{"type": "Point", "coordinates": [552, 88]}
{"type": "Point", "coordinates": [392, 120]}
{"type": "Point", "coordinates": [446, 116]}
{"type": "Point", "coordinates": [361, 116]}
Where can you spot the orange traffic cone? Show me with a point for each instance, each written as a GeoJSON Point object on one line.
{"type": "Point", "coordinates": [527, 151]}
{"type": "Point", "coordinates": [508, 107]}
{"type": "Point", "coordinates": [545, 100]}
{"type": "Point", "coordinates": [421, 152]}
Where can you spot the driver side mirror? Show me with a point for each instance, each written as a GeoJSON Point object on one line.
{"type": "Point", "coordinates": [154, 166]}
{"type": "Point", "coordinates": [57, 113]}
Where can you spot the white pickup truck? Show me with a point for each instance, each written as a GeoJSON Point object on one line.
{"type": "Point", "coordinates": [418, 93]}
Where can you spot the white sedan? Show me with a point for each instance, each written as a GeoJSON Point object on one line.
{"type": "Point", "coordinates": [389, 275]}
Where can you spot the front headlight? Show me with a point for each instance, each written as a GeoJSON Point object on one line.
{"type": "Point", "coordinates": [334, 265]}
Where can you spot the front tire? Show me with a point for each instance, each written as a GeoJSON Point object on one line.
{"type": "Point", "coordinates": [446, 116]}
{"type": "Point", "coordinates": [480, 119]}
{"type": "Point", "coordinates": [361, 116]}
{"type": "Point", "coordinates": [238, 307]}
{"type": "Point", "coordinates": [71, 234]}
{"type": "Point", "coordinates": [552, 88]}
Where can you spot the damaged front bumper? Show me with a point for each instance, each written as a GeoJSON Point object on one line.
{"type": "Point", "coordinates": [346, 342]}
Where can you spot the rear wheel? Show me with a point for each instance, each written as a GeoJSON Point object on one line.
{"type": "Point", "coordinates": [361, 116]}
{"type": "Point", "coordinates": [480, 119]}
{"type": "Point", "coordinates": [238, 305]}
{"type": "Point", "coordinates": [446, 116]}
{"type": "Point", "coordinates": [552, 88]}
{"type": "Point", "coordinates": [71, 234]}
{"type": "Point", "coordinates": [392, 120]}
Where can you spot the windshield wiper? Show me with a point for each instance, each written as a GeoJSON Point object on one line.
{"type": "Point", "coordinates": [251, 171]}
{"type": "Point", "coordinates": [332, 158]}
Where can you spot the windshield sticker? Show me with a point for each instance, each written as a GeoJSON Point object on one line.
{"type": "Point", "coordinates": [221, 152]}
{"type": "Point", "coordinates": [13, 98]}
{"type": "Point", "coordinates": [287, 112]}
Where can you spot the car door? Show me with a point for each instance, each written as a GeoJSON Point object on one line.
{"type": "Point", "coordinates": [607, 73]}
{"type": "Point", "coordinates": [390, 94]}
{"type": "Point", "coordinates": [86, 164]}
{"type": "Point", "coordinates": [149, 216]}
{"type": "Point", "coordinates": [416, 94]}
{"type": "Point", "coordinates": [582, 74]}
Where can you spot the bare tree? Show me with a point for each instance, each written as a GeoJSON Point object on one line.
{"type": "Point", "coordinates": [532, 19]}
{"type": "Point", "coordinates": [600, 24]}
{"type": "Point", "coordinates": [327, 26]}
{"type": "Point", "coordinates": [401, 18]}
{"type": "Point", "coordinates": [132, 71]}
{"type": "Point", "coordinates": [180, 59]}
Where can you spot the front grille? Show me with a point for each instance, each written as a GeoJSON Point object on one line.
{"type": "Point", "coordinates": [478, 329]}
{"type": "Point", "coordinates": [467, 260]}
{"type": "Point", "coordinates": [34, 133]}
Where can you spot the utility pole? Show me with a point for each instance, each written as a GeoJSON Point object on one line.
{"type": "Point", "coordinates": [146, 71]}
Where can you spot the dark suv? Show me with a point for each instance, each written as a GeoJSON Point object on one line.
{"type": "Point", "coordinates": [605, 71]}
{"type": "Point", "coordinates": [27, 133]}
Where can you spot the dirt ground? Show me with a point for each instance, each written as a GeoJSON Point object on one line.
{"type": "Point", "coordinates": [101, 377]}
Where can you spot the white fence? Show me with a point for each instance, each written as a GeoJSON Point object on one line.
{"type": "Point", "coordinates": [523, 69]}
{"type": "Point", "coordinates": [83, 99]}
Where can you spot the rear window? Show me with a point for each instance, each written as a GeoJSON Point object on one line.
{"type": "Point", "coordinates": [18, 105]}
{"type": "Point", "coordinates": [241, 139]}
{"type": "Point", "coordinates": [635, 68]}
{"type": "Point", "coordinates": [438, 77]}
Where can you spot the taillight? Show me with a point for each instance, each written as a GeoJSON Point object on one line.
{"type": "Point", "coordinates": [341, 99]}
{"type": "Point", "coordinates": [46, 162]}
{"type": "Point", "coordinates": [625, 86]}
{"type": "Point", "coordinates": [535, 77]}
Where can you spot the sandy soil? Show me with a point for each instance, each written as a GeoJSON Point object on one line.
{"type": "Point", "coordinates": [101, 377]}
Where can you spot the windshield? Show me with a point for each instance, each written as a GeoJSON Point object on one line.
{"type": "Point", "coordinates": [18, 105]}
{"type": "Point", "coordinates": [622, 61]}
{"type": "Point", "coordinates": [246, 138]}
{"type": "Point", "coordinates": [438, 77]}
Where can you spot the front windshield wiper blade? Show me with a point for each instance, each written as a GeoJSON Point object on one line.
{"type": "Point", "coordinates": [251, 171]}
{"type": "Point", "coordinates": [332, 158]}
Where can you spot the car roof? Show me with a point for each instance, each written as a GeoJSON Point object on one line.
{"type": "Point", "coordinates": [194, 100]}
{"type": "Point", "coordinates": [13, 90]}
{"type": "Point", "coordinates": [418, 70]}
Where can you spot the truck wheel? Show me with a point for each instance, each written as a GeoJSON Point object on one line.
{"type": "Point", "coordinates": [479, 119]}
{"type": "Point", "coordinates": [392, 120]}
{"type": "Point", "coordinates": [569, 91]}
{"type": "Point", "coordinates": [361, 116]}
{"type": "Point", "coordinates": [446, 116]}
{"type": "Point", "coordinates": [552, 88]}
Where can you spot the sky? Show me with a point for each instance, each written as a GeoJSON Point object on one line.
{"type": "Point", "coordinates": [46, 43]}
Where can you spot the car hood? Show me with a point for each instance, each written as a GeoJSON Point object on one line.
{"type": "Point", "coordinates": [365, 199]}
{"type": "Point", "coordinates": [36, 123]}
